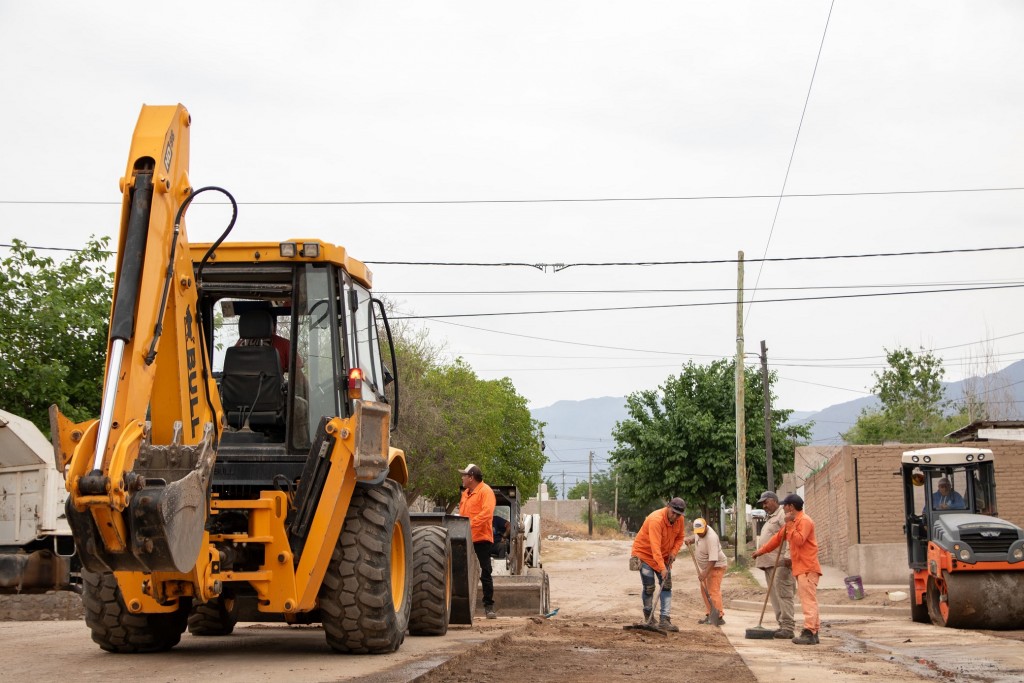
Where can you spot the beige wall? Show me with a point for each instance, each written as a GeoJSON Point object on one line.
{"type": "Point", "coordinates": [562, 510]}
{"type": "Point", "coordinates": [866, 480]}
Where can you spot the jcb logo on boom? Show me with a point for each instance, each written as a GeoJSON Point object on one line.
{"type": "Point", "coordinates": [191, 365]}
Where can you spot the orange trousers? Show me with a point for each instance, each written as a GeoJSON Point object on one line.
{"type": "Point", "coordinates": [807, 587]}
{"type": "Point", "coordinates": [714, 586]}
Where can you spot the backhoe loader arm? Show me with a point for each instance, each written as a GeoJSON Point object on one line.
{"type": "Point", "coordinates": [156, 371]}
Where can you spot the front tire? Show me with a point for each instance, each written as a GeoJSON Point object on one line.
{"type": "Point", "coordinates": [213, 618]}
{"type": "Point", "coordinates": [115, 629]}
{"type": "Point", "coordinates": [431, 581]}
{"type": "Point", "coordinates": [366, 594]}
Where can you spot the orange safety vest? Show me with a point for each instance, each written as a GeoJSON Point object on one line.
{"type": "Point", "coordinates": [479, 507]}
{"type": "Point", "coordinates": [803, 544]}
{"type": "Point", "coordinates": [658, 540]}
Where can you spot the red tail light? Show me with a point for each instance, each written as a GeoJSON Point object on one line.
{"type": "Point", "coordinates": [355, 383]}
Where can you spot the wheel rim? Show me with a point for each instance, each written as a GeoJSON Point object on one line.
{"type": "Point", "coordinates": [943, 599]}
{"type": "Point", "coordinates": [397, 566]}
{"type": "Point", "coordinates": [447, 583]}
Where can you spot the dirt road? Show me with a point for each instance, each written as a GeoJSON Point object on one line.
{"type": "Point", "coordinates": [595, 595]}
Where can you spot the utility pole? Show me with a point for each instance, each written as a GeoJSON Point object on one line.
{"type": "Point", "coordinates": [767, 415]}
{"type": "Point", "coordinates": [616, 496]}
{"type": "Point", "coordinates": [590, 495]}
{"type": "Point", "coordinates": [741, 428]}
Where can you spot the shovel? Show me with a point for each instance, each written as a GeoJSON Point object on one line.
{"type": "Point", "coordinates": [648, 624]}
{"type": "Point", "coordinates": [715, 618]}
{"type": "Point", "coordinates": [760, 632]}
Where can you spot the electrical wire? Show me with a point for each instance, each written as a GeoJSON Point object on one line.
{"type": "Point", "coordinates": [792, 154]}
{"type": "Point", "coordinates": [562, 311]}
{"type": "Point", "coordinates": [552, 200]}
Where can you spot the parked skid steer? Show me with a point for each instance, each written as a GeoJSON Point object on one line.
{"type": "Point", "coordinates": [241, 466]}
{"type": "Point", "coordinates": [521, 586]}
{"type": "Point", "coordinates": [967, 565]}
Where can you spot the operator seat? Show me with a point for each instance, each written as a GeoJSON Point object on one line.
{"type": "Point", "coordinates": [252, 379]}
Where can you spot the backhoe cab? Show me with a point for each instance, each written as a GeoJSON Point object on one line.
{"type": "Point", "coordinates": [241, 467]}
{"type": "Point", "coordinates": [967, 565]}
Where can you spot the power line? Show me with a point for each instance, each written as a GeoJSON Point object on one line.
{"type": "Point", "coordinates": [562, 311]}
{"type": "Point", "coordinates": [690, 290]}
{"type": "Point", "coordinates": [551, 200]}
{"type": "Point", "coordinates": [565, 266]}
{"type": "Point", "coordinates": [792, 153]}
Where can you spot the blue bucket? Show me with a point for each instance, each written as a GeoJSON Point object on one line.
{"type": "Point", "coordinates": [854, 588]}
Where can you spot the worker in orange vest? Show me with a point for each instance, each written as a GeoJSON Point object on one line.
{"type": "Point", "coordinates": [478, 503]}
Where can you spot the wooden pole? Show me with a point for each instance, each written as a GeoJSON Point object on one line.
{"type": "Point", "coordinates": [767, 416]}
{"type": "Point", "coordinates": [740, 508]}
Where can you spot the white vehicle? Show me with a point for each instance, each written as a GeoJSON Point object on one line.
{"type": "Point", "coordinates": [37, 553]}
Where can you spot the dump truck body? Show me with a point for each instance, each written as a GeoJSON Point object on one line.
{"type": "Point", "coordinates": [37, 552]}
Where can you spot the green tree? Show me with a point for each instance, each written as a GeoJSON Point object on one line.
{"type": "Point", "coordinates": [552, 488]}
{"type": "Point", "coordinates": [913, 406]}
{"type": "Point", "coordinates": [449, 417]}
{"type": "Point", "coordinates": [54, 318]}
{"type": "Point", "coordinates": [629, 508]}
{"type": "Point", "coordinates": [680, 440]}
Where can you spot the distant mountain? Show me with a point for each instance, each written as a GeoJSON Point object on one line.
{"type": "Point", "coordinates": [574, 428]}
{"type": "Point", "coordinates": [1005, 385]}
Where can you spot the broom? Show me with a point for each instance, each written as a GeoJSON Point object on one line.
{"type": "Point", "coordinates": [760, 632]}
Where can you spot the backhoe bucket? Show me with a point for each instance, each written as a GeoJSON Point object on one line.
{"type": "Point", "coordinates": [165, 518]}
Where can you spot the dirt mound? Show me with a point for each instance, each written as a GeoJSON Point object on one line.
{"type": "Point", "coordinates": [596, 648]}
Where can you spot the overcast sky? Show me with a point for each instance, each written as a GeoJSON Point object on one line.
{"type": "Point", "coordinates": [333, 119]}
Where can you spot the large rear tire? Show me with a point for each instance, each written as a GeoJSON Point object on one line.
{"type": "Point", "coordinates": [115, 629]}
{"type": "Point", "coordinates": [366, 594]}
{"type": "Point", "coordinates": [213, 618]}
{"type": "Point", "coordinates": [431, 581]}
{"type": "Point", "coordinates": [918, 613]}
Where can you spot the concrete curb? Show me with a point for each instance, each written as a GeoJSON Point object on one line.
{"type": "Point", "coordinates": [849, 609]}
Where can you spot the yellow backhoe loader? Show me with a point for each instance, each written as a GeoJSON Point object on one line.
{"type": "Point", "coordinates": [241, 467]}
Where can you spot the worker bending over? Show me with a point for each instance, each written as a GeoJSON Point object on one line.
{"type": "Point", "coordinates": [656, 545]}
{"type": "Point", "coordinates": [711, 566]}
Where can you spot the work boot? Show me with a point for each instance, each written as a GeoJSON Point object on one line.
{"type": "Point", "coordinates": [705, 620]}
{"type": "Point", "coordinates": [490, 613]}
{"type": "Point", "coordinates": [806, 638]}
{"type": "Point", "coordinates": [784, 634]}
{"type": "Point", "coordinates": [647, 615]}
{"type": "Point", "coordinates": [666, 625]}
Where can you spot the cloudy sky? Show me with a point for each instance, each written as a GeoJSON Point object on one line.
{"type": "Point", "coordinates": [577, 133]}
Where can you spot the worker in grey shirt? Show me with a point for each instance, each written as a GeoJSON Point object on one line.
{"type": "Point", "coordinates": [784, 586]}
{"type": "Point", "coordinates": [711, 566]}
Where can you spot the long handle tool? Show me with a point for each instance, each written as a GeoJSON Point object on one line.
{"type": "Point", "coordinates": [715, 617]}
{"type": "Point", "coordinates": [760, 632]}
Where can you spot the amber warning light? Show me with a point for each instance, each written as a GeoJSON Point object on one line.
{"type": "Point", "coordinates": [355, 383]}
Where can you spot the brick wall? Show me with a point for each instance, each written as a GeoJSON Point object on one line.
{"type": "Point", "coordinates": [826, 501]}
{"type": "Point", "coordinates": [857, 495]}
